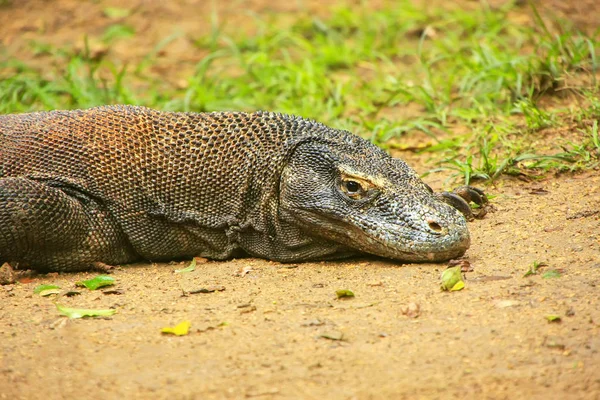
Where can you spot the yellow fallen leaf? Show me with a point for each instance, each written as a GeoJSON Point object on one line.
{"type": "Point", "coordinates": [83, 312]}
{"type": "Point", "coordinates": [457, 286]}
{"type": "Point", "coordinates": [452, 279]}
{"type": "Point", "coordinates": [181, 329]}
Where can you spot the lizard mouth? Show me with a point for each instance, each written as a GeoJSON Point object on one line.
{"type": "Point", "coordinates": [437, 232]}
{"type": "Point", "coordinates": [432, 240]}
{"type": "Point", "coordinates": [441, 247]}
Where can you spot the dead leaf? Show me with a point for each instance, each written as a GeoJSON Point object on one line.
{"type": "Point", "coordinates": [208, 289]}
{"type": "Point", "coordinates": [207, 327]}
{"type": "Point", "coordinates": [313, 322]}
{"type": "Point", "coordinates": [538, 191]}
{"type": "Point", "coordinates": [332, 335]}
{"type": "Point", "coordinates": [113, 291]}
{"type": "Point", "coordinates": [247, 309]}
{"type": "Point", "coordinates": [584, 214]}
{"type": "Point", "coordinates": [181, 329]}
{"type": "Point", "coordinates": [465, 265]}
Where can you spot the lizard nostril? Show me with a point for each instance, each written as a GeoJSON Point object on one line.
{"type": "Point", "coordinates": [434, 225]}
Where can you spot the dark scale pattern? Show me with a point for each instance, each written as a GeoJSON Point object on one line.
{"type": "Point", "coordinates": [116, 184]}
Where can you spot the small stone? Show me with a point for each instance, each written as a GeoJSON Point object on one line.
{"type": "Point", "coordinates": [412, 310]}
{"type": "Point", "coordinates": [7, 274]}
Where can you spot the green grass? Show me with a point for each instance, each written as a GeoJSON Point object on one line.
{"type": "Point", "coordinates": [383, 74]}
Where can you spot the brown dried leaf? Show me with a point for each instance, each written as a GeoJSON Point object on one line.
{"type": "Point", "coordinates": [208, 289]}
{"type": "Point", "coordinates": [313, 322]}
{"type": "Point", "coordinates": [113, 291]}
{"type": "Point", "coordinates": [332, 335]}
{"type": "Point", "coordinates": [465, 265]}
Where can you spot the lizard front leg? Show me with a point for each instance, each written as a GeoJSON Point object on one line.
{"type": "Point", "coordinates": [50, 228]}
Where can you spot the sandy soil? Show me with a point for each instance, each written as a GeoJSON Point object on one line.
{"type": "Point", "coordinates": [269, 333]}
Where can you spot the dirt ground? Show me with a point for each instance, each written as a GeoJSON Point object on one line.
{"type": "Point", "coordinates": [271, 333]}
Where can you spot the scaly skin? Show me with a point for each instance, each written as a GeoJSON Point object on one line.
{"type": "Point", "coordinates": [118, 184]}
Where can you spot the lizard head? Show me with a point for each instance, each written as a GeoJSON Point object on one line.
{"type": "Point", "coordinates": [353, 193]}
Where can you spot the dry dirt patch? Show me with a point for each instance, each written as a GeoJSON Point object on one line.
{"type": "Point", "coordinates": [263, 336]}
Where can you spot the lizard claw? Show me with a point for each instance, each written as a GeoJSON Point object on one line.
{"type": "Point", "coordinates": [460, 198]}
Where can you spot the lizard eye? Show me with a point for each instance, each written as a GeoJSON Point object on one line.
{"type": "Point", "coordinates": [353, 189]}
{"type": "Point", "coordinates": [352, 186]}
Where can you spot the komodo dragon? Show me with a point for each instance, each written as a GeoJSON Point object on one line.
{"type": "Point", "coordinates": [117, 184]}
